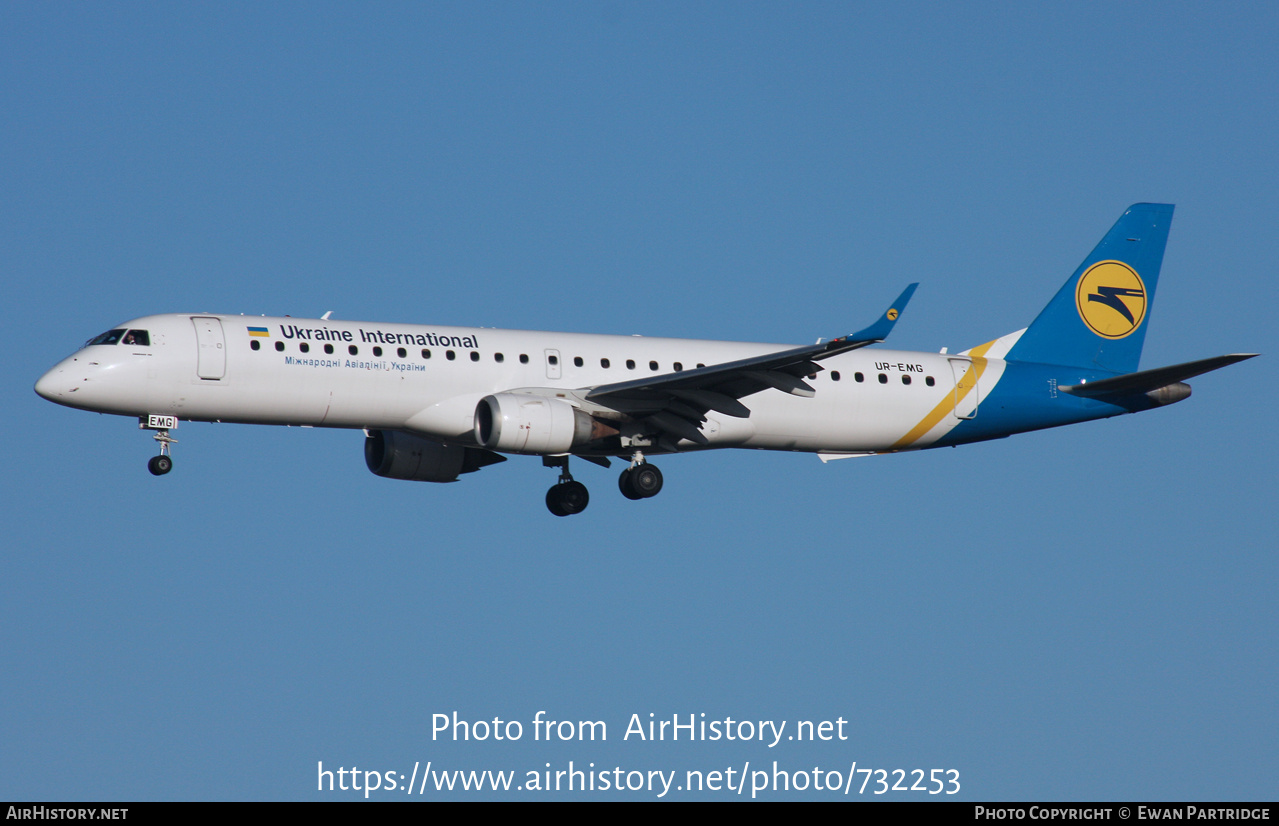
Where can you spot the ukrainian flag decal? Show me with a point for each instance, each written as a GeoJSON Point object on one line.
{"type": "Point", "coordinates": [260, 332]}
{"type": "Point", "coordinates": [1111, 299]}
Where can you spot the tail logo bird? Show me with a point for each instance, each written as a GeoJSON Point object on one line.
{"type": "Point", "coordinates": [1111, 299]}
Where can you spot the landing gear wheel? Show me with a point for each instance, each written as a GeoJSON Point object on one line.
{"type": "Point", "coordinates": [162, 464]}
{"type": "Point", "coordinates": [646, 480]}
{"type": "Point", "coordinates": [567, 498]}
{"type": "Point", "coordinates": [640, 481]}
{"type": "Point", "coordinates": [624, 485]}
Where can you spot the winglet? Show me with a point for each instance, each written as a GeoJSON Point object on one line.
{"type": "Point", "coordinates": [880, 329]}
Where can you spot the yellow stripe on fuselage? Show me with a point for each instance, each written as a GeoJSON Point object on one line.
{"type": "Point", "coordinates": [951, 401]}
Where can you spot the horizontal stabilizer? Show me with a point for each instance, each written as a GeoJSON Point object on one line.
{"type": "Point", "coordinates": [1147, 380]}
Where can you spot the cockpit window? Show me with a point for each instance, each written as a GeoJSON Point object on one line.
{"type": "Point", "coordinates": [109, 337]}
{"type": "Point", "coordinates": [137, 338]}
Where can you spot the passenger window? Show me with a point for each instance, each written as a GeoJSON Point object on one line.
{"type": "Point", "coordinates": [353, 350]}
{"type": "Point", "coordinates": [577, 361]}
{"type": "Point", "coordinates": [883, 379]}
{"type": "Point", "coordinates": [499, 358]}
{"type": "Point", "coordinates": [678, 366]}
{"type": "Point", "coordinates": [450, 355]}
{"type": "Point", "coordinates": [279, 345]}
{"type": "Point", "coordinates": [304, 347]}
{"type": "Point", "coordinates": [475, 356]}
{"type": "Point", "coordinates": [834, 375]}
{"type": "Point", "coordinates": [426, 354]}
{"type": "Point", "coordinates": [929, 381]}
{"type": "Point", "coordinates": [604, 363]}
{"type": "Point", "coordinates": [858, 377]}
{"type": "Point", "coordinates": [254, 344]}
{"type": "Point", "coordinates": [630, 364]}
{"type": "Point", "coordinates": [552, 359]}
{"type": "Point", "coordinates": [328, 348]}
{"type": "Point", "coordinates": [401, 352]}
{"type": "Point", "coordinates": [905, 379]}
{"type": "Point", "coordinates": [523, 358]}
{"type": "Point", "coordinates": [700, 365]}
{"type": "Point", "coordinates": [377, 351]}
{"type": "Point", "coordinates": [652, 365]}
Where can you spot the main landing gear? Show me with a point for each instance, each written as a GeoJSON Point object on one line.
{"type": "Point", "coordinates": [640, 481]}
{"type": "Point", "coordinates": [567, 497]}
{"type": "Point", "coordinates": [162, 464]}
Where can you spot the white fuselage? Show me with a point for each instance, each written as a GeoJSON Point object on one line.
{"type": "Point", "coordinates": [428, 380]}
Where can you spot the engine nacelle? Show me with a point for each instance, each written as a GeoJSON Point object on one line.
{"type": "Point", "coordinates": [514, 423]}
{"type": "Point", "coordinates": [397, 455]}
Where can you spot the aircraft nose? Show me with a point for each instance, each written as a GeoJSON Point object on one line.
{"type": "Point", "coordinates": [58, 384]}
{"type": "Point", "coordinates": [46, 387]}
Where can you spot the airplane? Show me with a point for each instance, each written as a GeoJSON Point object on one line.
{"type": "Point", "coordinates": [438, 402]}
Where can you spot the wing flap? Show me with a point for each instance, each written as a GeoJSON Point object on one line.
{"type": "Point", "coordinates": [784, 382]}
{"type": "Point", "coordinates": [710, 400]}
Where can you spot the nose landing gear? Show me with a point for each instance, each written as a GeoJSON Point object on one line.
{"type": "Point", "coordinates": [162, 464]}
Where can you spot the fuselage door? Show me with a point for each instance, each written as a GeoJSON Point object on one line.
{"type": "Point", "coordinates": [553, 364]}
{"type": "Point", "coordinates": [967, 395]}
{"type": "Point", "coordinates": [211, 364]}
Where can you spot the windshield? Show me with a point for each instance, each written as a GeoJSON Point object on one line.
{"type": "Point", "coordinates": [135, 338]}
{"type": "Point", "coordinates": [109, 337]}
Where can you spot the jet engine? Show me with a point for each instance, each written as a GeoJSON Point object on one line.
{"type": "Point", "coordinates": [397, 455]}
{"type": "Point", "coordinates": [515, 423]}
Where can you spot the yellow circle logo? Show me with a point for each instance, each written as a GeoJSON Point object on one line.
{"type": "Point", "coordinates": [1111, 299]}
{"type": "Point", "coordinates": [892, 315]}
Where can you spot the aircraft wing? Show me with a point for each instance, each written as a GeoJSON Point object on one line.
{"type": "Point", "coordinates": [676, 404]}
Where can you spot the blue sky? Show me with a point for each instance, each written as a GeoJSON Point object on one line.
{"type": "Point", "coordinates": [1079, 614]}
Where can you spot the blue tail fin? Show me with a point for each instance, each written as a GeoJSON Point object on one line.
{"type": "Point", "coordinates": [1098, 319]}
